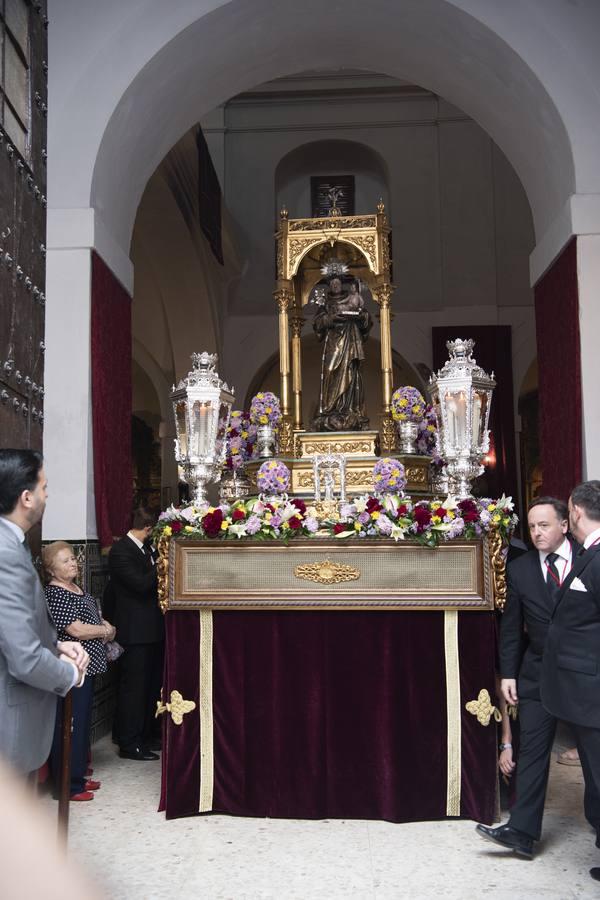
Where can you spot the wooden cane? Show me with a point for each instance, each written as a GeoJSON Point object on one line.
{"type": "Point", "coordinates": [64, 797]}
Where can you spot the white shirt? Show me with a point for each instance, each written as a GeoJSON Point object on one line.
{"type": "Point", "coordinates": [563, 563]}
{"type": "Point", "coordinates": [592, 538]}
{"type": "Point", "coordinates": [16, 528]}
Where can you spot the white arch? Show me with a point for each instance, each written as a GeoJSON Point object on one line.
{"type": "Point", "coordinates": [127, 80]}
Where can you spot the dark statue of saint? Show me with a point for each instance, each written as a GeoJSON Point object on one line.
{"type": "Point", "coordinates": [343, 324]}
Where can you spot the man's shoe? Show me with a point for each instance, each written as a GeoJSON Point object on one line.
{"type": "Point", "coordinates": [508, 837]}
{"type": "Point", "coordinates": [92, 785]}
{"type": "Point", "coordinates": [84, 795]}
{"type": "Point", "coordinates": [595, 873]}
{"type": "Point", "coordinates": [138, 754]}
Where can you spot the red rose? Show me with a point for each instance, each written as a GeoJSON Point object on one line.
{"type": "Point", "coordinates": [373, 505]}
{"type": "Point", "coordinates": [422, 517]}
{"type": "Point", "coordinates": [238, 515]}
{"type": "Point", "coordinates": [471, 516]}
{"type": "Point", "coordinates": [176, 527]}
{"type": "Point", "coordinates": [270, 507]}
{"type": "Point", "coordinates": [294, 523]}
{"type": "Point", "coordinates": [440, 511]}
{"type": "Point", "coordinates": [212, 522]}
{"type": "Point", "coordinates": [467, 506]}
{"type": "Point", "coordinates": [402, 509]}
{"type": "Point", "coordinates": [338, 528]}
{"type": "Point", "coordinates": [300, 505]}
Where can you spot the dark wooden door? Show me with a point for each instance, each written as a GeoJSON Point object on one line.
{"type": "Point", "coordinates": [23, 112]}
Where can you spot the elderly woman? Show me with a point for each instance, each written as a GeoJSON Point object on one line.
{"type": "Point", "coordinates": [76, 617]}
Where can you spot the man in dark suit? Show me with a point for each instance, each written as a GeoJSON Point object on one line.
{"type": "Point", "coordinates": [140, 630]}
{"type": "Point", "coordinates": [35, 668]}
{"type": "Point", "coordinates": [570, 681]}
{"type": "Point", "coordinates": [534, 581]}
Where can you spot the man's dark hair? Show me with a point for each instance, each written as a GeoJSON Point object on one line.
{"type": "Point", "coordinates": [19, 471]}
{"type": "Point", "coordinates": [142, 517]}
{"type": "Point", "coordinates": [559, 507]}
{"type": "Point", "coordinates": [587, 496]}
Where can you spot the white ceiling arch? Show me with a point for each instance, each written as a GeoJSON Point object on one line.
{"type": "Point", "coordinates": [128, 79]}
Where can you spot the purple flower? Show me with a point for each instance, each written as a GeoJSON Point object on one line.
{"type": "Point", "coordinates": [276, 521]}
{"type": "Point", "coordinates": [364, 518]}
{"type": "Point", "coordinates": [456, 528]}
{"type": "Point", "coordinates": [311, 524]}
{"type": "Point", "coordinates": [252, 525]}
{"type": "Point", "coordinates": [384, 524]}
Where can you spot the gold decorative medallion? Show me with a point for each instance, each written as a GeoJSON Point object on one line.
{"type": "Point", "coordinates": [327, 572]}
{"type": "Point", "coordinates": [178, 707]}
{"type": "Point", "coordinates": [483, 708]}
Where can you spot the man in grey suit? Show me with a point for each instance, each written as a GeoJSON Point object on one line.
{"type": "Point", "coordinates": [34, 667]}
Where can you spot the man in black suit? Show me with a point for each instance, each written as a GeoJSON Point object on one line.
{"type": "Point", "coordinates": [140, 630]}
{"type": "Point", "coordinates": [533, 581]}
{"type": "Point", "coordinates": [570, 681]}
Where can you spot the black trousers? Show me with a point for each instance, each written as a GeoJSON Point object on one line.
{"type": "Point", "coordinates": [533, 763]}
{"type": "Point", "coordinates": [140, 679]}
{"type": "Point", "coordinates": [80, 738]}
{"type": "Point", "coordinates": [588, 745]}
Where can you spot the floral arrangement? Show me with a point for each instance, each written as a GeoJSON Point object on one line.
{"type": "Point", "coordinates": [265, 409]}
{"type": "Point", "coordinates": [428, 522]}
{"type": "Point", "coordinates": [388, 476]}
{"type": "Point", "coordinates": [273, 477]}
{"type": "Point", "coordinates": [240, 439]}
{"type": "Point", "coordinates": [408, 404]}
{"type": "Point", "coordinates": [279, 518]}
{"type": "Point", "coordinates": [426, 443]}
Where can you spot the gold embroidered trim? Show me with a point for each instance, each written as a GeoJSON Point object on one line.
{"type": "Point", "coordinates": [483, 708]}
{"type": "Point", "coordinates": [177, 706]}
{"type": "Point", "coordinates": [327, 572]}
{"type": "Point", "coordinates": [206, 711]}
{"type": "Point", "coordinates": [453, 709]}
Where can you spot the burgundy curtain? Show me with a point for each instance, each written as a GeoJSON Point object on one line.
{"type": "Point", "coordinates": [493, 352]}
{"type": "Point", "coordinates": [111, 402]}
{"type": "Point", "coordinates": [559, 366]}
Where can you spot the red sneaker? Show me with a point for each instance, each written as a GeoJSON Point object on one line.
{"type": "Point", "coordinates": [84, 795]}
{"type": "Point", "coordinates": [92, 785]}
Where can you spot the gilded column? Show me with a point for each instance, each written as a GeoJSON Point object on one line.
{"type": "Point", "coordinates": [284, 299]}
{"type": "Point", "coordinates": [383, 295]}
{"type": "Point", "coordinates": [297, 322]}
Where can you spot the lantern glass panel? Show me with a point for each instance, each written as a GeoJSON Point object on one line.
{"type": "Point", "coordinates": [480, 403]}
{"type": "Point", "coordinates": [200, 443]}
{"type": "Point", "coordinates": [224, 413]}
{"type": "Point", "coordinates": [180, 410]}
{"type": "Point", "coordinates": [456, 410]}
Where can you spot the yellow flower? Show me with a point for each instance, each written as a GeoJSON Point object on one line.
{"type": "Point", "coordinates": [431, 428]}
{"type": "Point", "coordinates": [395, 472]}
{"type": "Point", "coordinates": [268, 409]}
{"type": "Point", "coordinates": [506, 521]}
{"type": "Point", "coordinates": [285, 526]}
{"type": "Point", "coordinates": [357, 526]}
{"type": "Point", "coordinates": [496, 519]}
{"type": "Point", "coordinates": [272, 464]}
{"type": "Point", "coordinates": [263, 420]}
{"type": "Point", "coordinates": [436, 520]}
{"type": "Point", "coordinates": [280, 479]}
{"type": "Point", "coordinates": [234, 450]}
{"type": "Point", "coordinates": [188, 528]}
{"type": "Point", "coordinates": [416, 409]}
{"type": "Point", "coordinates": [224, 525]}
{"type": "Point", "coordinates": [392, 480]}
{"type": "Point", "coordinates": [168, 531]}
{"type": "Point", "coordinates": [244, 434]}
{"type": "Point", "coordinates": [211, 509]}
{"type": "Point", "coordinates": [404, 402]}
{"type": "Point", "coordinates": [260, 396]}
{"type": "Point", "coordinates": [449, 513]}
{"type": "Point", "coordinates": [268, 516]}
{"type": "Point", "coordinates": [375, 514]}
{"type": "Point", "coordinates": [402, 416]}
{"type": "Point", "coordinates": [491, 507]}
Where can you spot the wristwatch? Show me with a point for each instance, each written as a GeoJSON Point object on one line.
{"type": "Point", "coordinates": [505, 747]}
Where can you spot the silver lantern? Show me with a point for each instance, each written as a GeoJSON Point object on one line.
{"type": "Point", "coordinates": [462, 395]}
{"type": "Point", "coordinates": [202, 406]}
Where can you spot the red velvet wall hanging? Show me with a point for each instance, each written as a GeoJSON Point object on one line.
{"type": "Point", "coordinates": [111, 402]}
{"type": "Point", "coordinates": [493, 352]}
{"type": "Point", "coordinates": [559, 367]}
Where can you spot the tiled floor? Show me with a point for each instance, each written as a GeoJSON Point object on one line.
{"type": "Point", "coordinates": [137, 855]}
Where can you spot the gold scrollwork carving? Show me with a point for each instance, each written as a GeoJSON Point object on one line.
{"type": "Point", "coordinates": [416, 475]}
{"type": "Point", "coordinates": [341, 222]}
{"type": "Point", "coordinates": [296, 247]}
{"type": "Point", "coordinates": [498, 561]}
{"type": "Point", "coordinates": [327, 572]}
{"type": "Point", "coordinates": [162, 568]}
{"type": "Point", "coordinates": [178, 707]}
{"type": "Point", "coordinates": [483, 708]}
{"type": "Point", "coordinates": [286, 436]}
{"type": "Point", "coordinates": [367, 243]}
{"type": "Point", "coordinates": [388, 434]}
{"type": "Point", "coordinates": [310, 448]}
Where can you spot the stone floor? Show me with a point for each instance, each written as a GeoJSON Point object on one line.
{"type": "Point", "coordinates": [136, 855]}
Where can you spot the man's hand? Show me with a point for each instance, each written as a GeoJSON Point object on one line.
{"type": "Point", "coordinates": [508, 686]}
{"type": "Point", "coordinates": [75, 652]}
{"type": "Point", "coordinates": [506, 763]}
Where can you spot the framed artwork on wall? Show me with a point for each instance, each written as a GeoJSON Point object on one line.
{"type": "Point", "coordinates": [327, 191]}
